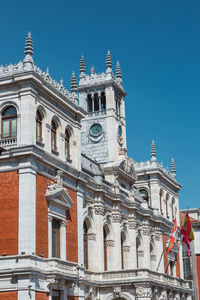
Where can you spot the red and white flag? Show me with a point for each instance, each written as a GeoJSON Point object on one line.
{"type": "Point", "coordinates": [173, 237]}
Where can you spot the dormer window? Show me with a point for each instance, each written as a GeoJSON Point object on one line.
{"type": "Point", "coordinates": [144, 195]}
{"type": "Point", "coordinates": [9, 122]}
{"type": "Point", "coordinates": [53, 136]}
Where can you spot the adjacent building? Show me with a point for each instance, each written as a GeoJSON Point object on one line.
{"type": "Point", "coordinates": [80, 219]}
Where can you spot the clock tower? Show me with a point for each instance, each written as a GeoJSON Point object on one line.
{"type": "Point", "coordinates": [103, 135]}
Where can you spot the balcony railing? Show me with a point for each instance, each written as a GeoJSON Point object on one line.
{"type": "Point", "coordinates": [135, 276]}
{"type": "Point", "coordinates": [8, 142]}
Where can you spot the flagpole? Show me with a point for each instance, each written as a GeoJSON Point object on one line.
{"type": "Point", "coordinates": [165, 246]}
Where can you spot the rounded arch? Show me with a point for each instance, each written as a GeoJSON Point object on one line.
{"type": "Point", "coordinates": [122, 296]}
{"type": "Point", "coordinates": [56, 120]}
{"type": "Point", "coordinates": [70, 130]}
{"type": "Point", "coordinates": [4, 105]}
{"type": "Point", "coordinates": [9, 122]}
{"type": "Point", "coordinates": [144, 192]}
{"type": "Point", "coordinates": [41, 110]}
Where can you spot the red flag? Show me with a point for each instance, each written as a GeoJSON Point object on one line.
{"type": "Point", "coordinates": [187, 232]}
{"type": "Point", "coordinates": [173, 237]}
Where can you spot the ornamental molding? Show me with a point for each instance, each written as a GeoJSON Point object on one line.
{"type": "Point", "coordinates": [163, 295]}
{"type": "Point", "coordinates": [143, 292]}
{"type": "Point", "coordinates": [126, 248]}
{"type": "Point", "coordinates": [99, 209]}
{"type": "Point", "coordinates": [56, 194]}
{"type": "Point", "coordinates": [110, 243]}
{"type": "Point", "coordinates": [141, 253]}
{"type": "Point", "coordinates": [92, 236]}
{"type": "Point", "coordinates": [117, 291]}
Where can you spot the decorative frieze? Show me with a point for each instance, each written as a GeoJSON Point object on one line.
{"type": "Point", "coordinates": [142, 291]}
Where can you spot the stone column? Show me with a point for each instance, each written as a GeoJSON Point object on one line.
{"type": "Point", "coordinates": [146, 244]}
{"type": "Point", "coordinates": [116, 259]}
{"type": "Point", "coordinates": [98, 249]}
{"type": "Point", "coordinates": [159, 251]}
{"type": "Point", "coordinates": [92, 96]}
{"type": "Point", "coordinates": [80, 226]}
{"type": "Point", "coordinates": [50, 219]}
{"type": "Point", "coordinates": [143, 293]}
{"type": "Point", "coordinates": [132, 225]}
{"type": "Point", "coordinates": [63, 240]}
{"type": "Point", "coordinates": [27, 211]}
{"type": "Point", "coordinates": [99, 96]}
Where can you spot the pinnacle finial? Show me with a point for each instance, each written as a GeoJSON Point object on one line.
{"type": "Point", "coordinates": [173, 168]}
{"type": "Point", "coordinates": [82, 65]}
{"type": "Point", "coordinates": [29, 45]}
{"type": "Point", "coordinates": [153, 152]}
{"type": "Point", "coordinates": [28, 60]}
{"type": "Point", "coordinates": [74, 87]}
{"type": "Point", "coordinates": [93, 70]}
{"type": "Point", "coordinates": [118, 70]}
{"type": "Point", "coordinates": [108, 60]}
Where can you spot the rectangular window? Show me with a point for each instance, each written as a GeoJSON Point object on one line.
{"type": "Point", "coordinates": [55, 295]}
{"type": "Point", "coordinates": [55, 238]}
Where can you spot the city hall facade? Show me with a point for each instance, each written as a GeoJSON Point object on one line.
{"type": "Point", "coordinates": [79, 218]}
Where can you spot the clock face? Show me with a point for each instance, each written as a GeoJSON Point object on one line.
{"type": "Point", "coordinates": [119, 130]}
{"type": "Point", "coordinates": [96, 129]}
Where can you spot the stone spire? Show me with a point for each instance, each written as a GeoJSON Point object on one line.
{"type": "Point", "coordinates": [118, 70]}
{"type": "Point", "coordinates": [82, 67]}
{"type": "Point", "coordinates": [173, 168]}
{"type": "Point", "coordinates": [153, 152]}
{"type": "Point", "coordinates": [108, 62]}
{"type": "Point", "coordinates": [74, 87]}
{"type": "Point", "coordinates": [28, 60]}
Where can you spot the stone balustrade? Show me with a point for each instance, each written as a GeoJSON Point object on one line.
{"type": "Point", "coordinates": [8, 142]}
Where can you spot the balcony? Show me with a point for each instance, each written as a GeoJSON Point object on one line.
{"type": "Point", "coordinates": [135, 276]}
{"type": "Point", "coordinates": [9, 142]}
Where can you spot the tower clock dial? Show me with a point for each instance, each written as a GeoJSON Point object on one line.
{"type": "Point", "coordinates": [96, 129]}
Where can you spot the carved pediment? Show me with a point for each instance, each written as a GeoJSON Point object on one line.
{"type": "Point", "coordinates": [57, 195]}
{"type": "Point", "coordinates": [127, 166]}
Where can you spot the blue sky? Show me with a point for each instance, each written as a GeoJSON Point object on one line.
{"type": "Point", "coordinates": [158, 45]}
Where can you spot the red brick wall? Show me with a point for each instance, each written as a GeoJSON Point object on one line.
{"type": "Point", "coordinates": [9, 195]}
{"type": "Point", "coordinates": [8, 295]}
{"type": "Point", "coordinates": [71, 232]}
{"type": "Point", "coordinates": [198, 271]}
{"type": "Point", "coordinates": [72, 298]}
{"type": "Point", "coordinates": [165, 254]}
{"type": "Point", "coordinates": [41, 296]}
{"type": "Point", "coordinates": [41, 216]}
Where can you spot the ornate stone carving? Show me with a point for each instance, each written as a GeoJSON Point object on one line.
{"type": "Point", "coordinates": [99, 209]}
{"type": "Point", "coordinates": [132, 224]}
{"type": "Point", "coordinates": [117, 291]}
{"type": "Point", "coordinates": [141, 253]}
{"type": "Point", "coordinates": [110, 243]}
{"type": "Point", "coordinates": [145, 230]}
{"type": "Point", "coordinates": [50, 218]}
{"type": "Point", "coordinates": [127, 166]}
{"type": "Point", "coordinates": [126, 248]}
{"type": "Point", "coordinates": [116, 217]}
{"type": "Point", "coordinates": [63, 223]}
{"type": "Point", "coordinates": [92, 236]}
{"type": "Point", "coordinates": [177, 297]}
{"type": "Point", "coordinates": [153, 257]}
{"type": "Point", "coordinates": [189, 297]}
{"type": "Point", "coordinates": [163, 295]}
{"type": "Point", "coordinates": [143, 291]}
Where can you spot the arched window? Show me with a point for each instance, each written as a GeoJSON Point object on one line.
{"type": "Point", "coordinates": [105, 233]}
{"type": "Point", "coordinates": [9, 122]}
{"type": "Point", "coordinates": [67, 143]}
{"type": "Point", "coordinates": [38, 126]}
{"type": "Point", "coordinates": [85, 231]}
{"type": "Point", "coordinates": [144, 195]}
{"type": "Point", "coordinates": [96, 102]}
{"type": "Point", "coordinates": [103, 101]}
{"type": "Point", "coordinates": [89, 103]}
{"type": "Point", "coordinates": [167, 213]}
{"type": "Point", "coordinates": [53, 136]}
{"type": "Point", "coordinates": [161, 208]}
{"type": "Point", "coordinates": [122, 249]}
{"type": "Point", "coordinates": [137, 251]}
